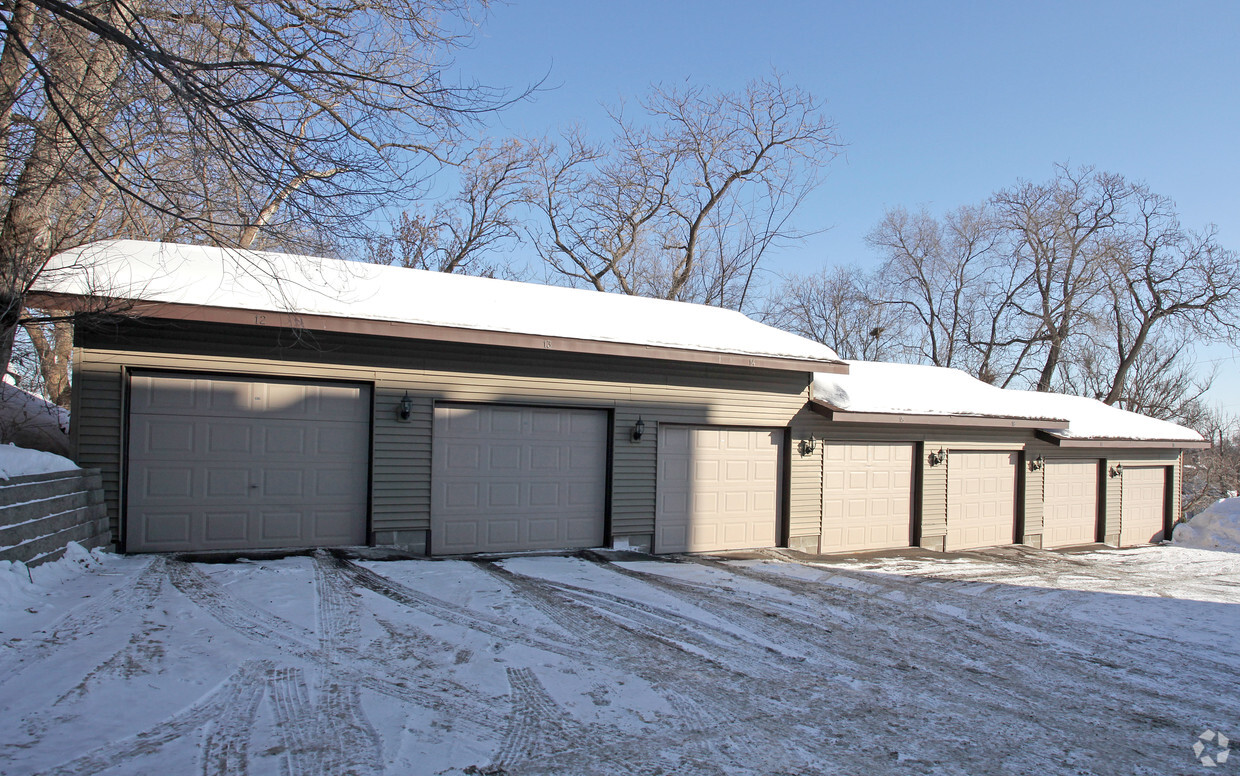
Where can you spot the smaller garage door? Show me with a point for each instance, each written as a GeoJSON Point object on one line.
{"type": "Point", "coordinates": [1142, 505]}
{"type": "Point", "coordinates": [867, 496]}
{"type": "Point", "coordinates": [1070, 515]}
{"type": "Point", "coordinates": [981, 499]}
{"type": "Point", "coordinates": [239, 464]}
{"type": "Point", "coordinates": [507, 478]}
{"type": "Point", "coordinates": [718, 488]}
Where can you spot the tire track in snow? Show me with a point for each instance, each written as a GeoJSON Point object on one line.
{"type": "Point", "coordinates": [135, 593]}
{"type": "Point", "coordinates": [429, 691]}
{"type": "Point", "coordinates": [733, 715]}
{"type": "Point", "coordinates": [1041, 677]}
{"type": "Point", "coordinates": [226, 748]}
{"type": "Point", "coordinates": [462, 616]}
{"type": "Point", "coordinates": [240, 683]}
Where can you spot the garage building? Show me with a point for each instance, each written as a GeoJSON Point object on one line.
{"type": "Point", "coordinates": [349, 404]}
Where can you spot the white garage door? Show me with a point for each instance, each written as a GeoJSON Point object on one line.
{"type": "Point", "coordinates": [867, 496]}
{"type": "Point", "coordinates": [981, 499]}
{"type": "Point", "coordinates": [718, 488]}
{"type": "Point", "coordinates": [1142, 505]}
{"type": "Point", "coordinates": [1070, 514]}
{"type": "Point", "coordinates": [508, 478]}
{"type": "Point", "coordinates": [234, 463]}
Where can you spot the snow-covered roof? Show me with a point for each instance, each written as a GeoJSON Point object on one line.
{"type": "Point", "coordinates": [284, 283]}
{"type": "Point", "coordinates": [914, 389]}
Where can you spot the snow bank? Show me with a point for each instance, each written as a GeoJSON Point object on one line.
{"type": "Point", "coordinates": [277, 282]}
{"type": "Point", "coordinates": [18, 462]}
{"type": "Point", "coordinates": [917, 389]}
{"type": "Point", "coordinates": [32, 421]}
{"type": "Point", "coordinates": [21, 586]}
{"type": "Point", "coordinates": [1217, 528]}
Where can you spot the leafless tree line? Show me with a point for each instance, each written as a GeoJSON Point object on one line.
{"type": "Point", "coordinates": [244, 123]}
{"type": "Point", "coordinates": [1086, 283]}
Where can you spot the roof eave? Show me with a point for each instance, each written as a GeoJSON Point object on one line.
{"type": "Point", "coordinates": [838, 415]}
{"type": "Point", "coordinates": [421, 331]}
{"type": "Point", "coordinates": [1094, 443]}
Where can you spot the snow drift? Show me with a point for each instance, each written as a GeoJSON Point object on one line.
{"type": "Point", "coordinates": [1217, 528]}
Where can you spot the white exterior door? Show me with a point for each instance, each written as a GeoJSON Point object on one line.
{"type": "Point", "coordinates": [233, 463]}
{"type": "Point", "coordinates": [510, 478]}
{"type": "Point", "coordinates": [1142, 505]}
{"type": "Point", "coordinates": [718, 488]}
{"type": "Point", "coordinates": [1070, 504]}
{"type": "Point", "coordinates": [981, 499]}
{"type": "Point", "coordinates": [867, 496]}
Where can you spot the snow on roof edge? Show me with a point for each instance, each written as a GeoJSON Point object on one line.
{"type": "Point", "coordinates": [173, 273]}
{"type": "Point", "coordinates": [884, 388]}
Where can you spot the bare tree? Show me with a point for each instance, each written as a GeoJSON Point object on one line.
{"type": "Point", "coordinates": [1059, 232]}
{"type": "Point", "coordinates": [947, 280]}
{"type": "Point", "coordinates": [1164, 277]}
{"type": "Point", "coordinates": [230, 119]}
{"type": "Point", "coordinates": [836, 308]}
{"type": "Point", "coordinates": [482, 216]}
{"type": "Point", "coordinates": [685, 202]}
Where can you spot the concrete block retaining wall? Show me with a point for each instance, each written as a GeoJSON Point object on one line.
{"type": "Point", "coordinates": [41, 513]}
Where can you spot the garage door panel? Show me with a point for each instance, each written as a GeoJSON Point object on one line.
{"type": "Point", "coordinates": [981, 499]}
{"type": "Point", "coordinates": [717, 488]}
{"type": "Point", "coordinates": [517, 478]}
{"type": "Point", "coordinates": [867, 496]}
{"type": "Point", "coordinates": [1142, 505]}
{"type": "Point", "coordinates": [1070, 503]}
{"type": "Point", "coordinates": [227, 473]}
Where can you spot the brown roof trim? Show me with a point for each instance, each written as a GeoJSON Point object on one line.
{"type": "Point", "coordinates": [1093, 444]}
{"type": "Point", "coordinates": [305, 322]}
{"type": "Point", "coordinates": [911, 419]}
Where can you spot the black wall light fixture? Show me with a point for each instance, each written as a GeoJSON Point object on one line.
{"type": "Point", "coordinates": [639, 428]}
{"type": "Point", "coordinates": [1036, 463]}
{"type": "Point", "coordinates": [1117, 470]}
{"type": "Point", "coordinates": [939, 457]}
{"type": "Point", "coordinates": [808, 445]}
{"type": "Point", "coordinates": [404, 410]}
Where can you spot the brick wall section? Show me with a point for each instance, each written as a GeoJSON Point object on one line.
{"type": "Point", "coordinates": [41, 513]}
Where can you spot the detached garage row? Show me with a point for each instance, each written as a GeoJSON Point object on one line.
{"type": "Point", "coordinates": [357, 404]}
{"type": "Point", "coordinates": [979, 466]}
{"type": "Point", "coordinates": [354, 404]}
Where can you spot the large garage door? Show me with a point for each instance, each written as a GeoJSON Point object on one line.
{"type": "Point", "coordinates": [981, 499]}
{"type": "Point", "coordinates": [233, 463]}
{"type": "Point", "coordinates": [718, 488]}
{"type": "Point", "coordinates": [1070, 515]}
{"type": "Point", "coordinates": [507, 478]}
{"type": "Point", "coordinates": [1142, 505]}
{"type": "Point", "coordinates": [867, 496]}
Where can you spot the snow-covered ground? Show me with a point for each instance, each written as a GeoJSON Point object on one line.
{"type": "Point", "coordinates": [1009, 661]}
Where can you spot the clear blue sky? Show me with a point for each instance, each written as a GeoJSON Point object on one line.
{"type": "Point", "coordinates": [939, 104]}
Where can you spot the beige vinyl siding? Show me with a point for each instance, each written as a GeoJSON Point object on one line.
{"type": "Point", "coordinates": [633, 468]}
{"type": "Point", "coordinates": [95, 426]}
{"type": "Point", "coordinates": [659, 392]}
{"type": "Point", "coordinates": [1035, 502]}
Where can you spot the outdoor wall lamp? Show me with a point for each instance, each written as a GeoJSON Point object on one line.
{"type": "Point", "coordinates": [938, 458]}
{"type": "Point", "coordinates": [404, 410]}
{"type": "Point", "coordinates": [808, 445]}
{"type": "Point", "coordinates": [1117, 470]}
{"type": "Point", "coordinates": [1036, 463]}
{"type": "Point", "coordinates": [639, 428]}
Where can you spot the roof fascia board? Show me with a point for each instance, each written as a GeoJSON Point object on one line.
{"type": "Point", "coordinates": [421, 331]}
{"type": "Point", "coordinates": [1098, 443]}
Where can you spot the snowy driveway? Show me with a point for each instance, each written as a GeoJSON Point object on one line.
{"type": "Point", "coordinates": [1009, 661]}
